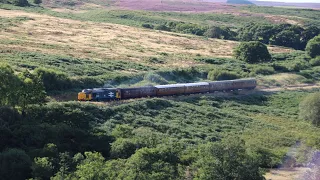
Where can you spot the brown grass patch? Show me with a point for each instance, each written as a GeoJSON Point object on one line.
{"type": "Point", "coordinates": [109, 41]}
{"type": "Point", "coordinates": [286, 174]}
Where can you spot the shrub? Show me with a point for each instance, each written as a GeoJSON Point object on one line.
{"type": "Point", "coordinates": [214, 32]}
{"type": "Point", "coordinates": [297, 65]}
{"type": "Point", "coordinates": [315, 61]}
{"type": "Point", "coordinates": [313, 47]}
{"type": "Point", "coordinates": [15, 164]}
{"type": "Point", "coordinates": [226, 160]}
{"type": "Point", "coordinates": [156, 78]}
{"type": "Point", "coordinates": [264, 70]}
{"type": "Point", "coordinates": [219, 75]}
{"type": "Point", "coordinates": [155, 60]}
{"type": "Point", "coordinates": [252, 52]}
{"type": "Point", "coordinates": [53, 80]}
{"type": "Point", "coordinates": [21, 3]}
{"type": "Point", "coordinates": [162, 28]}
{"type": "Point", "coordinates": [149, 26]}
{"type": "Point", "coordinates": [310, 108]}
{"type": "Point", "coordinates": [37, 1]}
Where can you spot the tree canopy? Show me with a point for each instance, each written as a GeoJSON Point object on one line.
{"type": "Point", "coordinates": [310, 108]}
{"type": "Point", "coordinates": [252, 52]}
{"type": "Point", "coordinates": [313, 47]}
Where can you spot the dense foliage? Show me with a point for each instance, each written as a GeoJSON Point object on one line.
{"type": "Point", "coordinates": [218, 75]}
{"type": "Point", "coordinates": [189, 137]}
{"type": "Point", "coordinates": [152, 138]}
{"type": "Point", "coordinates": [23, 90]}
{"type": "Point", "coordinates": [252, 52]}
{"type": "Point", "coordinates": [313, 47]}
{"type": "Point", "coordinates": [310, 109]}
{"type": "Point", "coordinates": [283, 34]}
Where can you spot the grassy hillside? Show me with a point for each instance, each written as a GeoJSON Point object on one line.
{"type": "Point", "coordinates": [95, 43]}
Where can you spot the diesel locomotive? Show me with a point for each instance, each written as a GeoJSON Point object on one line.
{"type": "Point", "coordinates": [110, 94]}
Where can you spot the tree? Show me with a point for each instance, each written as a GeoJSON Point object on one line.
{"type": "Point", "coordinates": [21, 3]}
{"type": "Point", "coordinates": [287, 38]}
{"type": "Point", "coordinates": [9, 86]}
{"type": "Point", "coordinates": [92, 167]}
{"type": "Point", "coordinates": [31, 90]}
{"type": "Point", "coordinates": [220, 33]}
{"type": "Point", "coordinates": [53, 80]}
{"type": "Point", "coordinates": [123, 148]}
{"type": "Point", "coordinates": [313, 47]}
{"type": "Point", "coordinates": [154, 163]}
{"type": "Point", "coordinates": [15, 164]}
{"type": "Point", "coordinates": [226, 160]}
{"type": "Point", "coordinates": [309, 33]}
{"type": "Point", "coordinates": [37, 1]}
{"type": "Point", "coordinates": [252, 52]}
{"type": "Point", "coordinates": [42, 168]}
{"type": "Point", "coordinates": [310, 108]}
{"type": "Point", "coordinates": [214, 32]}
{"type": "Point", "coordinates": [122, 131]}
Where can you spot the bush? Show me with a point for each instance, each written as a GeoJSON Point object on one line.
{"type": "Point", "coordinates": [149, 26]}
{"type": "Point", "coordinates": [53, 80]}
{"type": "Point", "coordinates": [310, 108]}
{"type": "Point", "coordinates": [21, 3]}
{"type": "Point", "coordinates": [155, 60]}
{"type": "Point", "coordinates": [162, 28]}
{"type": "Point", "coordinates": [313, 47]}
{"type": "Point", "coordinates": [226, 160]}
{"type": "Point", "coordinates": [37, 1]}
{"type": "Point", "coordinates": [252, 52]}
{"type": "Point", "coordinates": [15, 164]}
{"type": "Point", "coordinates": [156, 78]}
{"type": "Point", "coordinates": [218, 75]}
{"type": "Point", "coordinates": [297, 65]}
{"type": "Point", "coordinates": [264, 70]}
{"type": "Point", "coordinates": [315, 61]}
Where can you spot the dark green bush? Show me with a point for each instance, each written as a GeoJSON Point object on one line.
{"type": "Point", "coordinates": [37, 1]}
{"type": "Point", "coordinates": [313, 47]}
{"type": "Point", "coordinates": [218, 75]}
{"type": "Point", "coordinates": [155, 60]}
{"type": "Point", "coordinates": [264, 70]}
{"type": "Point", "coordinates": [148, 26]}
{"type": "Point", "coordinates": [252, 52]}
{"type": "Point", "coordinates": [310, 109]}
{"type": "Point", "coordinates": [162, 28]}
{"type": "Point", "coordinates": [21, 3]}
{"type": "Point", "coordinates": [53, 80]}
{"type": "Point", "coordinates": [315, 61]}
{"type": "Point", "coordinates": [15, 164]}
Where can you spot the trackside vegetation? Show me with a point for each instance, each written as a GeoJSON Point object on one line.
{"type": "Point", "coordinates": [235, 135]}
{"type": "Point", "coordinates": [132, 140]}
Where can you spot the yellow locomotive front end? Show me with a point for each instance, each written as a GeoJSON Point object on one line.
{"type": "Point", "coordinates": [85, 95]}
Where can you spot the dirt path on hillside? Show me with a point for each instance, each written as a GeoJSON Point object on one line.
{"type": "Point", "coordinates": [286, 174]}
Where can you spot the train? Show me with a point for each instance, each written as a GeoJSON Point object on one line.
{"type": "Point", "coordinates": [112, 94]}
